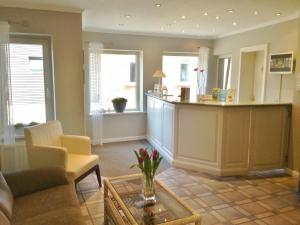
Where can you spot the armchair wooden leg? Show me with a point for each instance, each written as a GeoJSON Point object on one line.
{"type": "Point", "coordinates": [97, 170]}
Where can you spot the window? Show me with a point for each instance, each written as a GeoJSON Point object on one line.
{"type": "Point", "coordinates": [120, 78]}
{"type": "Point", "coordinates": [224, 72]}
{"type": "Point", "coordinates": [31, 80]}
{"type": "Point", "coordinates": [180, 72]}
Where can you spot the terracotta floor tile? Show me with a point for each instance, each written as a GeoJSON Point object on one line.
{"type": "Point", "coordinates": [276, 220]}
{"type": "Point", "coordinates": [254, 208]}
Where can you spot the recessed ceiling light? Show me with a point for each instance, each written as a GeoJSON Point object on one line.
{"type": "Point", "coordinates": [127, 16]}
{"type": "Point", "coordinates": [230, 11]}
{"type": "Point", "coordinates": [205, 14]}
{"type": "Point", "coordinates": [182, 31]}
{"type": "Point", "coordinates": [158, 5]}
{"type": "Point", "coordinates": [255, 13]}
{"type": "Point", "coordinates": [183, 17]}
{"type": "Point", "coordinates": [234, 23]}
{"type": "Point", "coordinates": [278, 14]}
{"type": "Point", "coordinates": [217, 17]}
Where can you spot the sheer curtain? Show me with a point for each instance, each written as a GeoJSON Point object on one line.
{"type": "Point", "coordinates": [13, 156]}
{"type": "Point", "coordinates": [93, 104]}
{"type": "Point", "coordinates": [202, 70]}
{"type": "Point", "coordinates": [6, 124]}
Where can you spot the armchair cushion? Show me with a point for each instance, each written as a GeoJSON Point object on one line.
{"type": "Point", "coordinates": [30, 181]}
{"type": "Point", "coordinates": [76, 144]}
{"type": "Point", "coordinates": [79, 164]}
{"type": "Point", "coordinates": [6, 200]}
{"type": "Point", "coordinates": [43, 156]}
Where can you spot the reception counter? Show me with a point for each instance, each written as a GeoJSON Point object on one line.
{"type": "Point", "coordinates": [219, 138]}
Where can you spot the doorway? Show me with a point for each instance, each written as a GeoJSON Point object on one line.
{"type": "Point", "coordinates": [252, 74]}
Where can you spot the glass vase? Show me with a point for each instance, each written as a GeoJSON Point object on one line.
{"type": "Point", "coordinates": [148, 190]}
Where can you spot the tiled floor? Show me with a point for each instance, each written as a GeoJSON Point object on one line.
{"type": "Point", "coordinates": [262, 199]}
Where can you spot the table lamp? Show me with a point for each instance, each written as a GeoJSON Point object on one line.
{"type": "Point", "coordinates": [159, 74]}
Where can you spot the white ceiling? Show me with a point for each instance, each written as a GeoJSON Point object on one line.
{"type": "Point", "coordinates": [146, 18]}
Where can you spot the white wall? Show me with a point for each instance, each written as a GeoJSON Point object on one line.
{"type": "Point", "coordinates": [130, 126]}
{"type": "Point", "coordinates": [280, 37]}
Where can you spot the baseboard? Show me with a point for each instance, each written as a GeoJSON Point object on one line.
{"type": "Point", "coordinates": [121, 139]}
{"type": "Point", "coordinates": [293, 173]}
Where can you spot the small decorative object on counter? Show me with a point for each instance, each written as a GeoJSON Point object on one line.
{"type": "Point", "coordinates": [215, 93]}
{"type": "Point", "coordinates": [230, 95]}
{"type": "Point", "coordinates": [222, 95]}
{"type": "Point", "coordinates": [148, 164]}
{"type": "Point", "coordinates": [164, 90]}
{"type": "Point", "coordinates": [119, 104]}
{"type": "Point", "coordinates": [185, 94]}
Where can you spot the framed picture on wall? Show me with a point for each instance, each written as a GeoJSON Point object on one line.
{"type": "Point", "coordinates": [282, 63]}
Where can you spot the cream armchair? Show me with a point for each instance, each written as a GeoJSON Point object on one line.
{"type": "Point", "coordinates": [48, 146]}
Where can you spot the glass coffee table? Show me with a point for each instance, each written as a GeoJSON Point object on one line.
{"type": "Point", "coordinates": [123, 204]}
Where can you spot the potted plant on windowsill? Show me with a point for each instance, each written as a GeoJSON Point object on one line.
{"type": "Point", "coordinates": [119, 104]}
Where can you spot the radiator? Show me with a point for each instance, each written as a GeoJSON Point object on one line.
{"type": "Point", "coordinates": [13, 157]}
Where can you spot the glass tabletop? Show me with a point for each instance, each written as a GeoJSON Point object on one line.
{"type": "Point", "coordinates": [167, 208]}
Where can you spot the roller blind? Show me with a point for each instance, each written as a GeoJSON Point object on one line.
{"type": "Point", "coordinates": [27, 74]}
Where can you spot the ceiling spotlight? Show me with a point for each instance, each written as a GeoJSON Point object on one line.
{"type": "Point", "coordinates": [158, 5]}
{"type": "Point", "coordinates": [183, 17]}
{"type": "Point", "coordinates": [255, 13]}
{"type": "Point", "coordinates": [182, 31]}
{"type": "Point", "coordinates": [278, 14]}
{"type": "Point", "coordinates": [205, 14]}
{"type": "Point", "coordinates": [217, 17]}
{"type": "Point", "coordinates": [230, 11]}
{"type": "Point", "coordinates": [127, 16]}
{"type": "Point", "coordinates": [234, 23]}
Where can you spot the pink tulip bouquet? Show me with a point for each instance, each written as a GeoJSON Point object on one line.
{"type": "Point", "coordinates": [148, 164]}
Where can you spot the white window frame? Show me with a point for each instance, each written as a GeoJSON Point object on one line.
{"type": "Point", "coordinates": [48, 65]}
{"type": "Point", "coordinates": [139, 86]}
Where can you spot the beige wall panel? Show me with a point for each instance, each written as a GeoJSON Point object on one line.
{"type": "Point", "coordinates": [198, 133]}
{"type": "Point", "coordinates": [236, 130]}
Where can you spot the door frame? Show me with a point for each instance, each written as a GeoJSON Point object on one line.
{"type": "Point", "coordinates": [255, 48]}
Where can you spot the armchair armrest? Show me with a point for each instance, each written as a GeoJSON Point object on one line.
{"type": "Point", "coordinates": [45, 156]}
{"type": "Point", "coordinates": [30, 181]}
{"type": "Point", "coordinates": [76, 144]}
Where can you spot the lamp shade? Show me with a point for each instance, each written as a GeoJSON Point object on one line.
{"type": "Point", "coordinates": [159, 73]}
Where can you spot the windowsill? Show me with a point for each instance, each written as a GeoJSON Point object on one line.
{"type": "Point", "coordinates": [123, 113]}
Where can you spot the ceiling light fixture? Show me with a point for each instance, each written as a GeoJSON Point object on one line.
{"type": "Point", "coordinates": [255, 13]}
{"type": "Point", "coordinates": [182, 31]}
{"type": "Point", "coordinates": [158, 5]}
{"type": "Point", "coordinates": [234, 23]}
{"type": "Point", "coordinates": [278, 14]}
{"type": "Point", "coordinates": [230, 11]}
{"type": "Point", "coordinates": [183, 17]}
{"type": "Point", "coordinates": [127, 16]}
{"type": "Point", "coordinates": [205, 14]}
{"type": "Point", "coordinates": [217, 17]}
